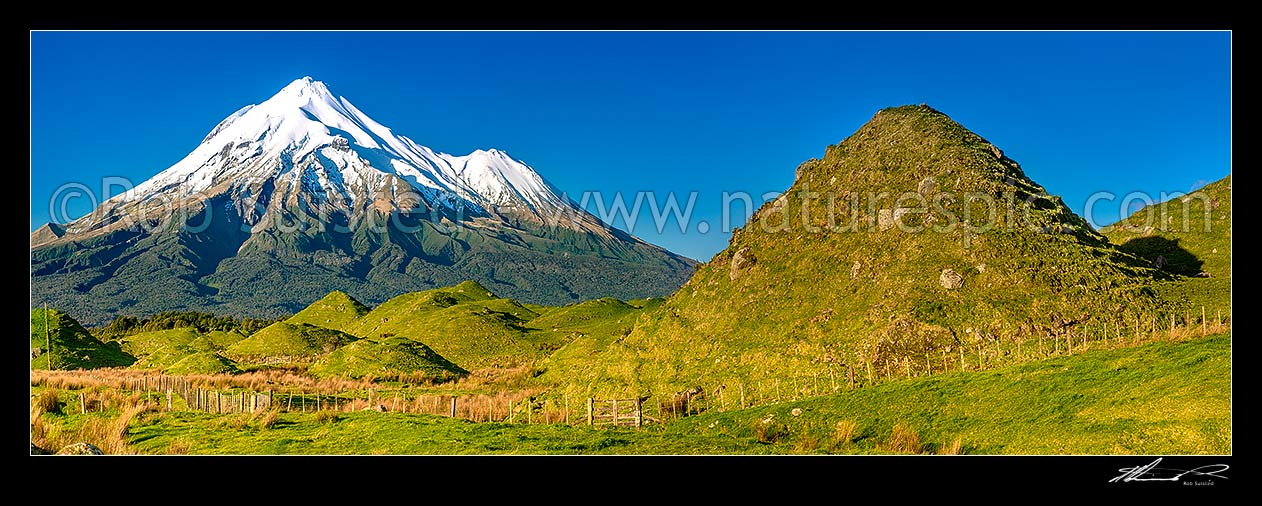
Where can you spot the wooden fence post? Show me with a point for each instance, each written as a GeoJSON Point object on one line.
{"type": "Point", "coordinates": [615, 412]}
{"type": "Point", "coordinates": [168, 400]}
{"type": "Point", "coordinates": [590, 403]}
{"type": "Point", "coordinates": [566, 398]}
{"type": "Point", "coordinates": [511, 415]}
{"type": "Point", "coordinates": [722, 402]}
{"type": "Point", "coordinates": [83, 403]}
{"type": "Point", "coordinates": [742, 395]}
{"type": "Point", "coordinates": [1202, 321]}
{"type": "Point", "coordinates": [530, 410]}
{"type": "Point", "coordinates": [453, 406]}
{"type": "Point", "coordinates": [639, 414]}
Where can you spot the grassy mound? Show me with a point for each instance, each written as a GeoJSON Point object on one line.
{"type": "Point", "coordinates": [222, 340]}
{"type": "Point", "coordinates": [204, 362]}
{"type": "Point", "coordinates": [391, 357]}
{"type": "Point", "coordinates": [287, 342]}
{"type": "Point", "coordinates": [465, 323]}
{"type": "Point", "coordinates": [335, 311]}
{"type": "Point", "coordinates": [584, 314]}
{"type": "Point", "coordinates": [72, 346]}
{"type": "Point", "coordinates": [145, 344]}
{"type": "Point", "coordinates": [166, 349]}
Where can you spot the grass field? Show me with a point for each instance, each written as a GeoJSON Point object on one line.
{"type": "Point", "coordinates": [1161, 397]}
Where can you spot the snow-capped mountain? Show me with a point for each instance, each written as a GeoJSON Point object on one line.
{"type": "Point", "coordinates": [332, 154]}
{"type": "Point", "coordinates": [285, 190]}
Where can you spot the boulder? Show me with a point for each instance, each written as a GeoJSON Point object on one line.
{"type": "Point", "coordinates": [888, 218]}
{"type": "Point", "coordinates": [741, 261]}
{"type": "Point", "coordinates": [884, 219]}
{"type": "Point", "coordinates": [950, 279]}
{"type": "Point", "coordinates": [35, 450]}
{"type": "Point", "coordinates": [81, 449]}
{"type": "Point", "coordinates": [926, 186]}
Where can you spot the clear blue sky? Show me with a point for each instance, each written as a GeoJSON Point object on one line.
{"type": "Point", "coordinates": [631, 111]}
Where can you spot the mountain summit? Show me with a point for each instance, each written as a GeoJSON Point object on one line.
{"type": "Point", "coordinates": [286, 200]}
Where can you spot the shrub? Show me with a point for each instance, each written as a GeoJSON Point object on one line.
{"type": "Point", "coordinates": [769, 431]}
{"type": "Point", "coordinates": [807, 443]}
{"type": "Point", "coordinates": [955, 448]}
{"type": "Point", "coordinates": [49, 401]}
{"type": "Point", "coordinates": [268, 419]}
{"type": "Point", "coordinates": [843, 432]}
{"type": "Point", "coordinates": [903, 440]}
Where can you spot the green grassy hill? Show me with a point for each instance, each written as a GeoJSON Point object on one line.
{"type": "Point", "coordinates": [1160, 398]}
{"type": "Point", "coordinates": [795, 291]}
{"type": "Point", "coordinates": [583, 315]}
{"type": "Point", "coordinates": [148, 343]}
{"type": "Point", "coordinates": [72, 346]}
{"type": "Point", "coordinates": [287, 342]}
{"type": "Point", "coordinates": [1191, 235]}
{"type": "Point", "coordinates": [165, 350]}
{"type": "Point", "coordinates": [465, 323]}
{"type": "Point", "coordinates": [203, 362]}
{"type": "Point", "coordinates": [391, 357]}
{"type": "Point", "coordinates": [595, 327]}
{"type": "Point", "coordinates": [334, 311]}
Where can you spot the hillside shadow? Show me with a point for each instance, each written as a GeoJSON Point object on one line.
{"type": "Point", "coordinates": [1164, 253]}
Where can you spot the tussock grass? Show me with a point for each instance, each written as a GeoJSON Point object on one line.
{"type": "Point", "coordinates": [902, 439]}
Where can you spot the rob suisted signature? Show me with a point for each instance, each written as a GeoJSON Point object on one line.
{"type": "Point", "coordinates": [1151, 472]}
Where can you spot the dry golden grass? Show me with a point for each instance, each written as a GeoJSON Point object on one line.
{"type": "Point", "coordinates": [49, 401]}
{"type": "Point", "coordinates": [807, 443]}
{"type": "Point", "coordinates": [107, 433]}
{"type": "Point", "coordinates": [327, 417]}
{"type": "Point", "coordinates": [954, 448]}
{"type": "Point", "coordinates": [843, 433]}
{"type": "Point", "coordinates": [267, 419]}
{"type": "Point", "coordinates": [903, 439]}
{"type": "Point", "coordinates": [259, 381]}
